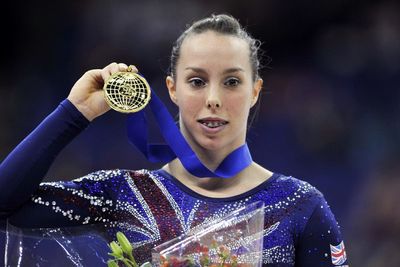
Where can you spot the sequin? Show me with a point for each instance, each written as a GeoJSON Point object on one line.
{"type": "Point", "coordinates": [152, 207]}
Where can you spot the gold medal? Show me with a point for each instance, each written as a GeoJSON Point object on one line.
{"type": "Point", "coordinates": [126, 92]}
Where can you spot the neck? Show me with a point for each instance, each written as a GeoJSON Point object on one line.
{"type": "Point", "coordinates": [208, 154]}
{"type": "Point", "coordinates": [211, 159]}
{"type": "Point", "coordinates": [244, 181]}
{"type": "Point", "coordinates": [176, 169]}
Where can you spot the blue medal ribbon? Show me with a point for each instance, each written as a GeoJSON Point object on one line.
{"type": "Point", "coordinates": [177, 146]}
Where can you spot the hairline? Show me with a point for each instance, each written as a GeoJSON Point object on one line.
{"type": "Point", "coordinates": [191, 32]}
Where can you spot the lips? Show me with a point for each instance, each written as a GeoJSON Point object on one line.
{"type": "Point", "coordinates": [213, 122]}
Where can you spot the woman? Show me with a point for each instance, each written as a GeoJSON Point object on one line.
{"type": "Point", "coordinates": [214, 81]}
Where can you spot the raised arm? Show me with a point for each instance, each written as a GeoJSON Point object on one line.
{"type": "Point", "coordinates": [24, 168]}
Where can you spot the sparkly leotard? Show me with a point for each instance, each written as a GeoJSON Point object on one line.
{"type": "Point", "coordinates": [152, 207]}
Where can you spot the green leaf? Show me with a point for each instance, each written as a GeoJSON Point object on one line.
{"type": "Point", "coordinates": [124, 242]}
{"type": "Point", "coordinates": [116, 250]}
{"type": "Point", "coordinates": [112, 263]}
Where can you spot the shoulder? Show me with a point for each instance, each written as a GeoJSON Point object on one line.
{"type": "Point", "coordinates": [115, 174]}
{"type": "Point", "coordinates": [293, 195]}
{"type": "Point", "coordinates": [98, 181]}
{"type": "Point", "coordinates": [305, 200]}
{"type": "Point", "coordinates": [296, 187]}
{"type": "Point", "coordinates": [101, 175]}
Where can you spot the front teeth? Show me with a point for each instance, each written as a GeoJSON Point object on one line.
{"type": "Point", "coordinates": [214, 124]}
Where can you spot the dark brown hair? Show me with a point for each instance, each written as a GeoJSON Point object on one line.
{"type": "Point", "coordinates": [223, 24]}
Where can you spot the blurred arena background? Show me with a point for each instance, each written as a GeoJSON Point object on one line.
{"type": "Point", "coordinates": [330, 111]}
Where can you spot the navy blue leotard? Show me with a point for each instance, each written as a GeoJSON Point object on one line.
{"type": "Point", "coordinates": [152, 206]}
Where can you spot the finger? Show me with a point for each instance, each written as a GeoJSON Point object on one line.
{"type": "Point", "coordinates": [133, 68]}
{"type": "Point", "coordinates": [122, 67]}
{"type": "Point", "coordinates": [116, 67]}
{"type": "Point", "coordinates": [108, 70]}
{"type": "Point", "coordinates": [96, 75]}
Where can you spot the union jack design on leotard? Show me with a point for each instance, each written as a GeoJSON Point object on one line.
{"type": "Point", "coordinates": [338, 254]}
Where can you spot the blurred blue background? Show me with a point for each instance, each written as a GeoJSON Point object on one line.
{"type": "Point", "coordinates": [329, 113]}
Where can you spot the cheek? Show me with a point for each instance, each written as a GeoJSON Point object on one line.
{"type": "Point", "coordinates": [238, 106]}
{"type": "Point", "coordinates": [189, 105]}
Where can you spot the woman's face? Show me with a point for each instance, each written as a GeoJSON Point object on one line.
{"type": "Point", "coordinates": [214, 90]}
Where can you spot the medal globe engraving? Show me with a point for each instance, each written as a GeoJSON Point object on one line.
{"type": "Point", "coordinates": [126, 92]}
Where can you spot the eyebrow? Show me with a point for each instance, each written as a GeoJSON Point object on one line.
{"type": "Point", "coordinates": [200, 70]}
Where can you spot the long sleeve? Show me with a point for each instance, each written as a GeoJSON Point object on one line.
{"type": "Point", "coordinates": [24, 168]}
{"type": "Point", "coordinates": [321, 243]}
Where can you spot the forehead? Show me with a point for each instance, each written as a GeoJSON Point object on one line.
{"type": "Point", "coordinates": [214, 49]}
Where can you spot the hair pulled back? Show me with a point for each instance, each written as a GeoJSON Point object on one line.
{"type": "Point", "coordinates": [223, 24]}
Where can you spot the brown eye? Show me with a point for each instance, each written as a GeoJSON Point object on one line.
{"type": "Point", "coordinates": [232, 82]}
{"type": "Point", "coordinates": [197, 82]}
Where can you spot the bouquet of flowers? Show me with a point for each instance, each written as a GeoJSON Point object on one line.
{"type": "Point", "coordinates": [234, 240]}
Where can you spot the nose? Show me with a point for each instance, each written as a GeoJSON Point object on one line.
{"type": "Point", "coordinates": [213, 99]}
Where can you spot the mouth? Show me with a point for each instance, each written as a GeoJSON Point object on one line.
{"type": "Point", "coordinates": [212, 122]}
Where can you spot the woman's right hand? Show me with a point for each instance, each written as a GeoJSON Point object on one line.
{"type": "Point", "coordinates": [87, 93]}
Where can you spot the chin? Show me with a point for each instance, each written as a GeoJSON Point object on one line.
{"type": "Point", "coordinates": [211, 147]}
{"type": "Point", "coordinates": [215, 144]}
{"type": "Point", "coordinates": [205, 143]}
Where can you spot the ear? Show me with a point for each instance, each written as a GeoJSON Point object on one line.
{"type": "Point", "coordinates": [170, 82]}
{"type": "Point", "coordinates": [256, 91]}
